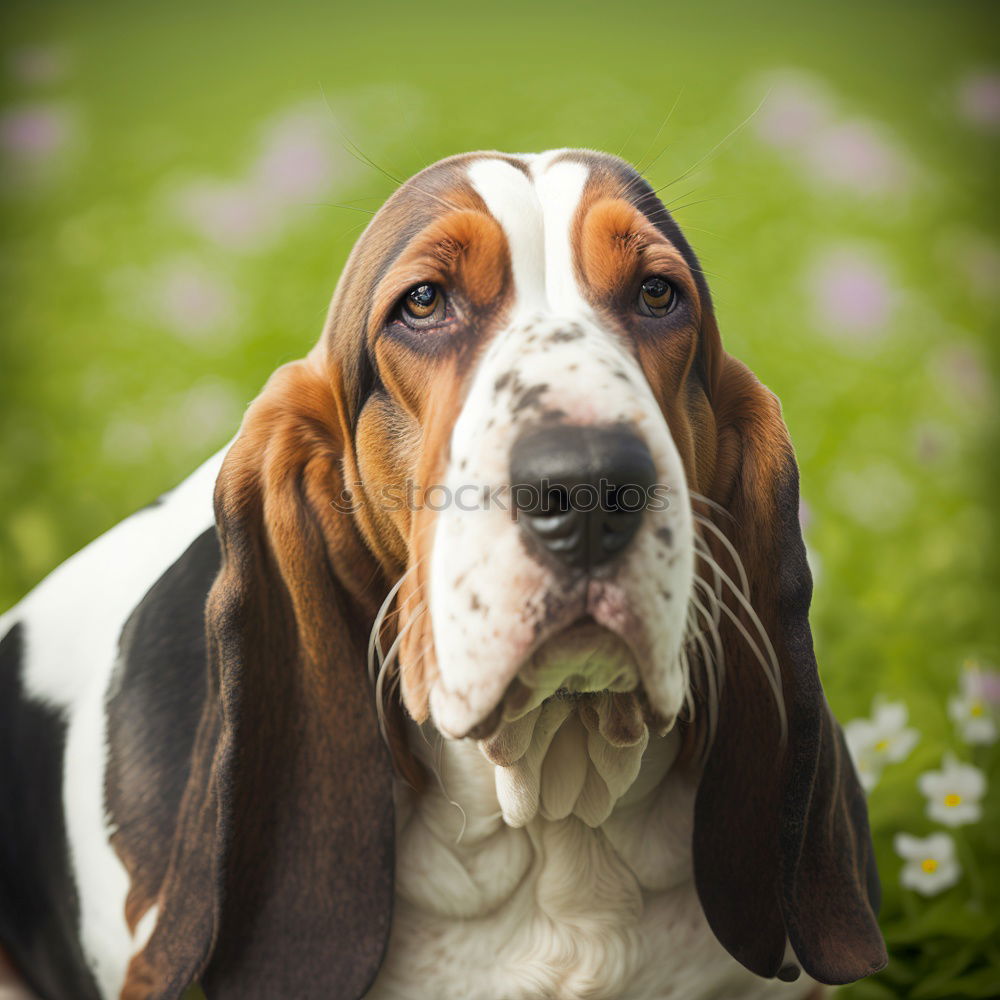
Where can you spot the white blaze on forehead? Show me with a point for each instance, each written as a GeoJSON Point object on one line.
{"type": "Point", "coordinates": [560, 188]}
{"type": "Point", "coordinates": [511, 198]}
{"type": "Point", "coordinates": [490, 602]}
{"type": "Point", "coordinates": [537, 215]}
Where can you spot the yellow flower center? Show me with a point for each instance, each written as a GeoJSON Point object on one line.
{"type": "Point", "coordinates": [951, 800]}
{"type": "Point", "coordinates": [976, 709]}
{"type": "Point", "coordinates": [882, 746]}
{"type": "Point", "coordinates": [929, 865]}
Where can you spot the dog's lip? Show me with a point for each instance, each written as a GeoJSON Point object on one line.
{"type": "Point", "coordinates": [557, 661]}
{"type": "Point", "coordinates": [576, 632]}
{"type": "Point", "coordinates": [608, 607]}
{"type": "Point", "coordinates": [602, 609]}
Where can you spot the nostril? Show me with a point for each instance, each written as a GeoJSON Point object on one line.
{"type": "Point", "coordinates": [553, 525]}
{"type": "Point", "coordinates": [614, 537]}
{"type": "Point", "coordinates": [554, 500]}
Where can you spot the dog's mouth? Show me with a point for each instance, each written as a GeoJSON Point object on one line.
{"type": "Point", "coordinates": [569, 733]}
{"type": "Point", "coordinates": [596, 637]}
{"type": "Point", "coordinates": [581, 659]}
{"type": "Point", "coordinates": [578, 664]}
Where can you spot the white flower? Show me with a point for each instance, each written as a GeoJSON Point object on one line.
{"type": "Point", "coordinates": [930, 866]}
{"type": "Point", "coordinates": [953, 793]}
{"type": "Point", "coordinates": [974, 710]}
{"type": "Point", "coordinates": [882, 739]}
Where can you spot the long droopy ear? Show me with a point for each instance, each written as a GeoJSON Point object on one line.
{"type": "Point", "coordinates": [281, 879]}
{"type": "Point", "coordinates": [782, 851]}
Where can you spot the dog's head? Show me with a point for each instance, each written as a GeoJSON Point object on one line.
{"type": "Point", "coordinates": [520, 461]}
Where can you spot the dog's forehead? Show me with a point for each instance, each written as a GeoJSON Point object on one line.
{"type": "Point", "coordinates": [508, 185]}
{"type": "Point", "coordinates": [536, 198]}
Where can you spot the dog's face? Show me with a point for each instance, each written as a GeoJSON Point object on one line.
{"type": "Point", "coordinates": [538, 373]}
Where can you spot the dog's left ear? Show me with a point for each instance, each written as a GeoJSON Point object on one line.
{"type": "Point", "coordinates": [280, 882]}
{"type": "Point", "coordinates": [782, 850]}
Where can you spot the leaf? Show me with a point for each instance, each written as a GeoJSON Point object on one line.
{"type": "Point", "coordinates": [948, 918]}
{"type": "Point", "coordinates": [900, 972]}
{"type": "Point", "coordinates": [940, 983]}
{"type": "Point", "coordinates": [982, 983]}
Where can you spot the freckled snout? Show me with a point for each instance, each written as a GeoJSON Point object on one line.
{"type": "Point", "coordinates": [580, 492]}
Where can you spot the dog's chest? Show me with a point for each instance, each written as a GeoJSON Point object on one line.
{"type": "Point", "coordinates": [555, 909]}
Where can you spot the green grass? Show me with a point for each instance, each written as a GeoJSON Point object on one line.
{"type": "Point", "coordinates": [896, 432]}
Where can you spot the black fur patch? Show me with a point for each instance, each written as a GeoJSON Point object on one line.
{"type": "Point", "coordinates": [39, 910]}
{"type": "Point", "coordinates": [154, 704]}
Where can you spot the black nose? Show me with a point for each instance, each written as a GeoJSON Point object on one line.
{"type": "Point", "coordinates": [580, 492]}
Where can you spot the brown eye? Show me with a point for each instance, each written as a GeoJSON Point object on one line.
{"type": "Point", "coordinates": [423, 305]}
{"type": "Point", "coordinates": [656, 296]}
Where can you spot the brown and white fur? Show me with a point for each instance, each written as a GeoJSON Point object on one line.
{"type": "Point", "coordinates": [340, 740]}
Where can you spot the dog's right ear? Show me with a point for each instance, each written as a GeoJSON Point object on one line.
{"type": "Point", "coordinates": [781, 848]}
{"type": "Point", "coordinates": [280, 882]}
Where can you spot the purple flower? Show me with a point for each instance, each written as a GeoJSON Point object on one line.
{"type": "Point", "coordinates": [236, 215]}
{"type": "Point", "coordinates": [978, 100]}
{"type": "Point", "coordinates": [191, 301]}
{"type": "Point", "coordinates": [933, 441]}
{"type": "Point", "coordinates": [38, 65]}
{"type": "Point", "coordinates": [32, 134]}
{"type": "Point", "coordinates": [977, 259]}
{"type": "Point", "coordinates": [964, 374]}
{"type": "Point", "coordinates": [876, 495]}
{"type": "Point", "coordinates": [800, 119]}
{"type": "Point", "coordinates": [296, 162]}
{"type": "Point", "coordinates": [856, 155]}
{"type": "Point", "coordinates": [975, 710]}
{"type": "Point", "coordinates": [852, 294]}
{"type": "Point", "coordinates": [795, 109]}
{"type": "Point", "coordinates": [206, 413]}
{"type": "Point", "coordinates": [983, 682]}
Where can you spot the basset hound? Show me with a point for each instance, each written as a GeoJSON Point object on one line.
{"type": "Point", "coordinates": [477, 666]}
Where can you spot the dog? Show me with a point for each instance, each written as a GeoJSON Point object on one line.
{"type": "Point", "coordinates": [478, 665]}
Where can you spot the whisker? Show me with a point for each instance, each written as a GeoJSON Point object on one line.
{"type": "Point", "coordinates": [744, 598]}
{"type": "Point", "coordinates": [697, 163]}
{"type": "Point", "coordinates": [729, 547]}
{"type": "Point", "coordinates": [689, 702]}
{"type": "Point", "coordinates": [711, 622]}
{"type": "Point", "coordinates": [691, 204]}
{"type": "Point", "coordinates": [713, 670]}
{"type": "Point", "coordinates": [770, 667]}
{"type": "Point", "coordinates": [375, 636]}
{"type": "Point", "coordinates": [701, 498]}
{"type": "Point", "coordinates": [340, 204]}
{"type": "Point", "coordinates": [640, 168]}
{"type": "Point", "coordinates": [386, 666]}
{"type": "Point", "coordinates": [437, 769]}
{"type": "Point", "coordinates": [702, 550]}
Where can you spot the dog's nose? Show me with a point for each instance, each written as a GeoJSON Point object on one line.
{"type": "Point", "coordinates": [580, 492]}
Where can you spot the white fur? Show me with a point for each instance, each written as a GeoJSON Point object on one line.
{"type": "Point", "coordinates": [72, 622]}
{"type": "Point", "coordinates": [478, 559]}
{"type": "Point", "coordinates": [554, 909]}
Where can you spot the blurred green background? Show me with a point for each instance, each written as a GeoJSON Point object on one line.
{"type": "Point", "coordinates": [179, 192]}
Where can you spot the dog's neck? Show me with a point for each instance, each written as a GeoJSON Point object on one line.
{"type": "Point", "coordinates": [459, 856]}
